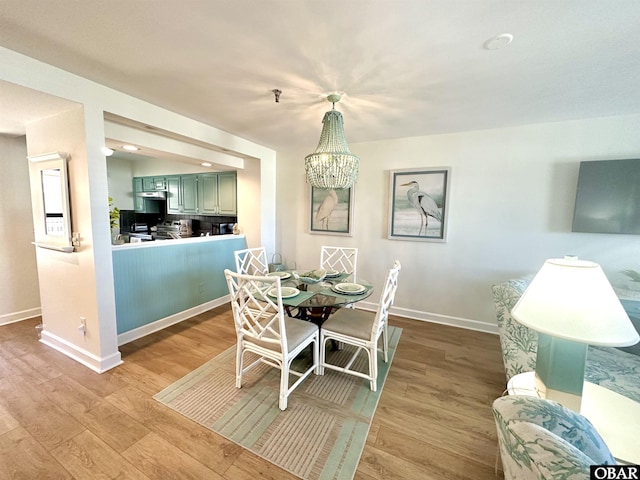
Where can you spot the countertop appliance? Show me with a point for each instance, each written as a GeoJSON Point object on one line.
{"type": "Point", "coordinates": [174, 229]}
{"type": "Point", "coordinates": [225, 228]}
{"type": "Point", "coordinates": [141, 231]}
{"type": "Point", "coordinates": [168, 230]}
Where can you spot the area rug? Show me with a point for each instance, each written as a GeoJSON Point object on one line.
{"type": "Point", "coordinates": [322, 433]}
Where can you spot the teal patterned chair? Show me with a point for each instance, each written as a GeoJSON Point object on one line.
{"type": "Point", "coordinates": [541, 439]}
{"type": "Point", "coordinates": [609, 367]}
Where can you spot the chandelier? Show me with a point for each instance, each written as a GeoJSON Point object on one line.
{"type": "Point", "coordinates": [332, 165]}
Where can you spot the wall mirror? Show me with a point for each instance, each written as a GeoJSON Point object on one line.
{"type": "Point", "coordinates": [50, 200]}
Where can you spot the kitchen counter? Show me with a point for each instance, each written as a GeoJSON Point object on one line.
{"type": "Point", "coordinates": [170, 242]}
{"type": "Point", "coordinates": [163, 282]}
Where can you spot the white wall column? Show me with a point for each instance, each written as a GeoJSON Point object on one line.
{"type": "Point", "coordinates": [78, 285]}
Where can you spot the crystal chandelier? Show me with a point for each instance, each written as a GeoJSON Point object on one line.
{"type": "Point", "coordinates": [332, 165]}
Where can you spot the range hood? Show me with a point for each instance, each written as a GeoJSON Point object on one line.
{"type": "Point", "coordinates": [153, 195]}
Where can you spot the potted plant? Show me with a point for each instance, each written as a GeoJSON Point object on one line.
{"type": "Point", "coordinates": [114, 222]}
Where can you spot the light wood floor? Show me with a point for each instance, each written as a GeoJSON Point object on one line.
{"type": "Point", "coordinates": [58, 419]}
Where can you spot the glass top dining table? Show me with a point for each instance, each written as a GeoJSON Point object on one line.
{"type": "Point", "coordinates": [316, 301]}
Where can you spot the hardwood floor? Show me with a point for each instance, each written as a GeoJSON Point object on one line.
{"type": "Point", "coordinates": [59, 420]}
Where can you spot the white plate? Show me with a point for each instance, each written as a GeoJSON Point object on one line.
{"type": "Point", "coordinates": [350, 288]}
{"type": "Point", "coordinates": [332, 274]}
{"type": "Point", "coordinates": [282, 275]}
{"type": "Point", "coordinates": [287, 292]}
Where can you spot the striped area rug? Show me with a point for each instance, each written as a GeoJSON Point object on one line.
{"type": "Point", "coordinates": [321, 434]}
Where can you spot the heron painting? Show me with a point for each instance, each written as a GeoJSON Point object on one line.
{"type": "Point", "coordinates": [418, 204]}
{"type": "Point", "coordinates": [331, 211]}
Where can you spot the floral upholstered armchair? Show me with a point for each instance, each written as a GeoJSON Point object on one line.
{"type": "Point", "coordinates": [541, 439]}
{"type": "Point", "coordinates": [609, 367]}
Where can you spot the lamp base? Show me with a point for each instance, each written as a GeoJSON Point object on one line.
{"type": "Point", "coordinates": [560, 368]}
{"type": "Point", "coordinates": [569, 400]}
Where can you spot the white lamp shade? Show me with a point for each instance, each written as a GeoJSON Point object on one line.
{"type": "Point", "coordinates": [573, 300]}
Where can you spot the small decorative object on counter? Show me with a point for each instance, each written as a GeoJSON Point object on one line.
{"type": "Point", "coordinates": [236, 229]}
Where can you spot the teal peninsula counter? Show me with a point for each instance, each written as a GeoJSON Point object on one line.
{"type": "Point", "coordinates": [158, 284]}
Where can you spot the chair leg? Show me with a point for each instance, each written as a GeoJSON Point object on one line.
{"type": "Point", "coordinates": [373, 367]}
{"type": "Point", "coordinates": [316, 357]}
{"type": "Point", "coordinates": [385, 343]}
{"type": "Point", "coordinates": [284, 384]}
{"type": "Point", "coordinates": [322, 352]}
{"type": "Point", "coordinates": [239, 365]}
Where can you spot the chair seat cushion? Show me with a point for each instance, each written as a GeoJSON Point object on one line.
{"type": "Point", "coordinates": [298, 331]}
{"type": "Point", "coordinates": [351, 322]}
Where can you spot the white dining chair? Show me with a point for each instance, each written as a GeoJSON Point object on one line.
{"type": "Point", "coordinates": [252, 261]}
{"type": "Point", "coordinates": [362, 330]}
{"type": "Point", "coordinates": [263, 328]}
{"type": "Point", "coordinates": [341, 259]}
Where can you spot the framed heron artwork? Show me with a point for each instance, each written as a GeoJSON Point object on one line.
{"type": "Point", "coordinates": [418, 205]}
{"type": "Point", "coordinates": [331, 211]}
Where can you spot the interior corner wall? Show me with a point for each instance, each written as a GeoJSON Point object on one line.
{"type": "Point", "coordinates": [511, 208]}
{"type": "Point", "coordinates": [79, 284]}
{"type": "Point", "coordinates": [19, 292]}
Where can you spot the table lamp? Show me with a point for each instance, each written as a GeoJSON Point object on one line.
{"type": "Point", "coordinates": [571, 304]}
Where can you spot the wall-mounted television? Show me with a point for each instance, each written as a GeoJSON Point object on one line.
{"type": "Point", "coordinates": [608, 197]}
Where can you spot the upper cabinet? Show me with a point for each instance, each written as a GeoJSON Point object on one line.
{"type": "Point", "coordinates": [141, 204]}
{"type": "Point", "coordinates": [217, 193]}
{"type": "Point", "coordinates": [194, 194]}
{"type": "Point", "coordinates": [182, 194]}
{"type": "Point", "coordinates": [153, 184]}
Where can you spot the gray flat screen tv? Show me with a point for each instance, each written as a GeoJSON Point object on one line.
{"type": "Point", "coordinates": [608, 197]}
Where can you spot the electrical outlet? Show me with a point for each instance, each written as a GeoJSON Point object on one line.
{"type": "Point", "coordinates": [82, 328]}
{"type": "Point", "coordinates": [201, 288]}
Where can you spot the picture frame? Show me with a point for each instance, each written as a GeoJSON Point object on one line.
{"type": "Point", "coordinates": [331, 211]}
{"type": "Point", "coordinates": [419, 204]}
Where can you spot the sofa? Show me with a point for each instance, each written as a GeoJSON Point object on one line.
{"type": "Point", "coordinates": [611, 368]}
{"type": "Point", "coordinates": [541, 439]}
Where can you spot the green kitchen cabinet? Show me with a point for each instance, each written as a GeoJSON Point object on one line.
{"type": "Point", "coordinates": [217, 193]}
{"type": "Point", "coordinates": [153, 184]}
{"type": "Point", "coordinates": [141, 204]}
{"type": "Point", "coordinates": [182, 194]}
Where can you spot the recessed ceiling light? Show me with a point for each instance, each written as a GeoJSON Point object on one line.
{"type": "Point", "coordinates": [130, 148]}
{"type": "Point", "coordinates": [499, 41]}
{"type": "Point", "coordinates": [106, 151]}
{"type": "Point", "coordinates": [205, 164]}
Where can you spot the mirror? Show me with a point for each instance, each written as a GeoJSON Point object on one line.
{"type": "Point", "coordinates": [52, 201]}
{"type": "Point", "coordinates": [50, 198]}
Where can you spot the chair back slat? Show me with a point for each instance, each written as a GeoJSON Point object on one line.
{"type": "Point", "coordinates": [257, 314]}
{"type": "Point", "coordinates": [386, 298]}
{"type": "Point", "coordinates": [252, 261]}
{"type": "Point", "coordinates": [342, 259]}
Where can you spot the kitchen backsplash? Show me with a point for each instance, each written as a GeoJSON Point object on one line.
{"type": "Point", "coordinates": [200, 224]}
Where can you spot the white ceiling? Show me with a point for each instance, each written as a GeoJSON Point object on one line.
{"type": "Point", "coordinates": [408, 67]}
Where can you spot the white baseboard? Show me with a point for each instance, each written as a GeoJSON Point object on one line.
{"type": "Point", "coordinates": [435, 318]}
{"type": "Point", "coordinates": [140, 332]}
{"type": "Point", "coordinates": [88, 359]}
{"type": "Point", "coordinates": [19, 316]}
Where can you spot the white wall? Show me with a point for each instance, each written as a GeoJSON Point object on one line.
{"type": "Point", "coordinates": [20, 296]}
{"type": "Point", "coordinates": [511, 207]}
{"type": "Point", "coordinates": [119, 178]}
{"type": "Point", "coordinates": [89, 192]}
{"type": "Point", "coordinates": [78, 285]}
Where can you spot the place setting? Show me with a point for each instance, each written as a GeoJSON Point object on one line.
{"type": "Point", "coordinates": [348, 288]}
